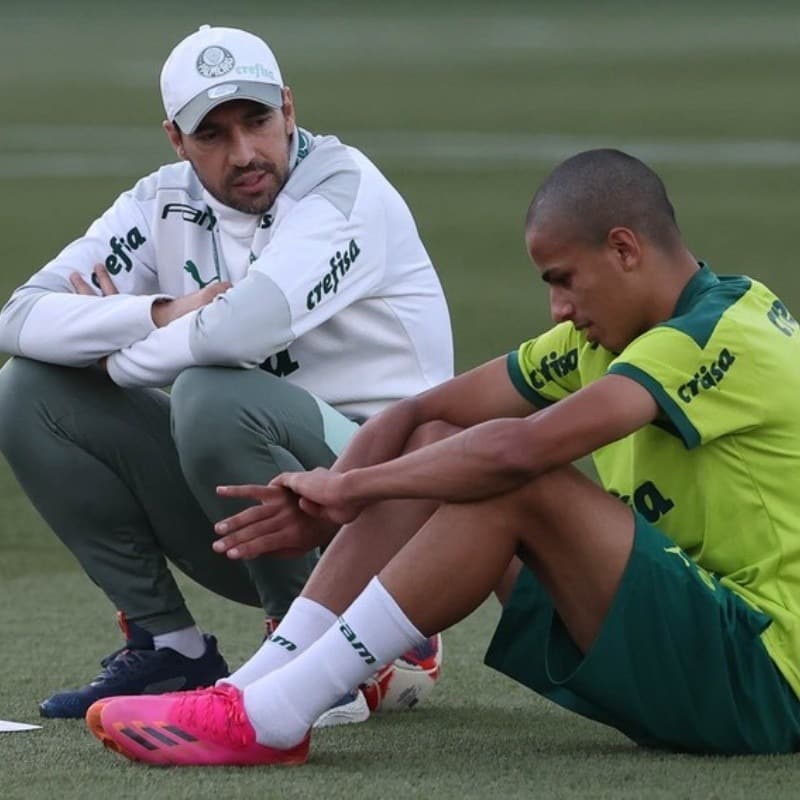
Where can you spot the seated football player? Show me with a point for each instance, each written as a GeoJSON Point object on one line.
{"type": "Point", "coordinates": [661, 603]}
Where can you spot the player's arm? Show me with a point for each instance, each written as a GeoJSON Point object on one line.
{"type": "Point", "coordinates": [481, 394]}
{"type": "Point", "coordinates": [491, 458]}
{"type": "Point", "coordinates": [48, 319]}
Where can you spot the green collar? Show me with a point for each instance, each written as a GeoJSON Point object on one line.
{"type": "Point", "coordinates": [700, 282]}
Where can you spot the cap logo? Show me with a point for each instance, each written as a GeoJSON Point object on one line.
{"type": "Point", "coordinates": [215, 92]}
{"type": "Point", "coordinates": [214, 62]}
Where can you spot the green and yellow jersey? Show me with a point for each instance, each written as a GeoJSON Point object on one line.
{"type": "Point", "coordinates": [718, 471]}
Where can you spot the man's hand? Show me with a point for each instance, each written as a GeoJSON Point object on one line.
{"type": "Point", "coordinates": [103, 281]}
{"type": "Point", "coordinates": [276, 526]}
{"type": "Point", "coordinates": [166, 311]}
{"type": "Point", "coordinates": [106, 287]}
{"type": "Point", "coordinates": [162, 311]}
{"type": "Point", "coordinates": [321, 494]}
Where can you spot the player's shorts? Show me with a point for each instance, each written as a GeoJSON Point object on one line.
{"type": "Point", "coordinates": [678, 662]}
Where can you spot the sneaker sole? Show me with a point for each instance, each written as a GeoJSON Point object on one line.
{"type": "Point", "coordinates": [356, 711]}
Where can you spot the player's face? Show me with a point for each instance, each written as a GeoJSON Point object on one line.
{"type": "Point", "coordinates": [591, 286]}
{"type": "Point", "coordinates": [240, 152]}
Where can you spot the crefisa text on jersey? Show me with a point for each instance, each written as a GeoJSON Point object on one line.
{"type": "Point", "coordinates": [707, 377]}
{"type": "Point", "coordinates": [340, 266]}
{"type": "Point", "coordinates": [118, 258]}
{"type": "Point", "coordinates": [554, 364]}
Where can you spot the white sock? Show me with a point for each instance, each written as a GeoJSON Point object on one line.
{"type": "Point", "coordinates": [188, 642]}
{"type": "Point", "coordinates": [305, 621]}
{"type": "Point", "coordinates": [283, 705]}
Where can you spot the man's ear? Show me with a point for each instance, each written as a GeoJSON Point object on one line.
{"type": "Point", "coordinates": [288, 109]}
{"type": "Point", "coordinates": [175, 138]}
{"type": "Point", "coordinates": [626, 247]}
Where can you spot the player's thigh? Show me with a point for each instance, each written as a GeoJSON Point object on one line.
{"type": "Point", "coordinates": [584, 515]}
{"type": "Point", "coordinates": [578, 539]}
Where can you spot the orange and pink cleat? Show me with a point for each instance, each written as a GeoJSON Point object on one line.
{"type": "Point", "coordinates": [206, 727]}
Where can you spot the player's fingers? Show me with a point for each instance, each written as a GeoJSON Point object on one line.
{"type": "Point", "coordinates": [249, 543]}
{"type": "Point", "coordinates": [255, 514]}
{"type": "Point", "coordinates": [234, 539]}
{"type": "Point", "coordinates": [293, 481]}
{"type": "Point", "coordinates": [311, 508]}
{"type": "Point", "coordinates": [252, 491]}
{"type": "Point", "coordinates": [104, 279]}
{"type": "Point", "coordinates": [208, 293]}
{"type": "Point", "coordinates": [247, 552]}
{"type": "Point", "coordinates": [79, 284]}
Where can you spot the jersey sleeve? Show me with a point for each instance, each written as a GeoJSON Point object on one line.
{"type": "Point", "coordinates": [703, 391]}
{"type": "Point", "coordinates": [546, 369]}
{"type": "Point", "coordinates": [46, 320]}
{"type": "Point", "coordinates": [319, 261]}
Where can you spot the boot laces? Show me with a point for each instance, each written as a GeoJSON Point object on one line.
{"type": "Point", "coordinates": [217, 713]}
{"type": "Point", "coordinates": [121, 660]}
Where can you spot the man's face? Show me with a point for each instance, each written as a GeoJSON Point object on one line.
{"type": "Point", "coordinates": [593, 286]}
{"type": "Point", "coordinates": [240, 152]}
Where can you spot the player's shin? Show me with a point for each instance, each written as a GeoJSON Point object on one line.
{"type": "Point", "coordinates": [371, 632]}
{"type": "Point", "coordinates": [305, 621]}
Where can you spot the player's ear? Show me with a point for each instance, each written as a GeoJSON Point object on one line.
{"type": "Point", "coordinates": [626, 248]}
{"type": "Point", "coordinates": [288, 109]}
{"type": "Point", "coordinates": [175, 137]}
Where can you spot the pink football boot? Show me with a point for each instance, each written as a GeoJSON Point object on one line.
{"type": "Point", "coordinates": [205, 727]}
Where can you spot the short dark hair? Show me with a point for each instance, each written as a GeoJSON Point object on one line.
{"type": "Point", "coordinates": [597, 190]}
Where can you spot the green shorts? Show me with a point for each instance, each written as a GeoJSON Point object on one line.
{"type": "Point", "coordinates": [678, 662]}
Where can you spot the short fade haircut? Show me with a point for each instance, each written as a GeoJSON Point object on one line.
{"type": "Point", "coordinates": [597, 190]}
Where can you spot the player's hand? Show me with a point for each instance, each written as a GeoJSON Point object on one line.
{"type": "Point", "coordinates": [321, 495]}
{"type": "Point", "coordinates": [275, 526]}
{"type": "Point", "coordinates": [166, 311]}
{"type": "Point", "coordinates": [103, 280]}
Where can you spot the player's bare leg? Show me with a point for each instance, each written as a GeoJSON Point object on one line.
{"type": "Point", "coordinates": [357, 553]}
{"type": "Point", "coordinates": [572, 534]}
{"type": "Point", "coordinates": [569, 531]}
{"type": "Point", "coordinates": [361, 549]}
{"type": "Point", "coordinates": [506, 583]}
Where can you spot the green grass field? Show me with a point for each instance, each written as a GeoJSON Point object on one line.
{"type": "Point", "coordinates": [465, 106]}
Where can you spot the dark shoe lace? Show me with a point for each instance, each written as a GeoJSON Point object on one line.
{"type": "Point", "coordinates": [121, 661]}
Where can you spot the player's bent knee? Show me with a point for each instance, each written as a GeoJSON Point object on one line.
{"type": "Point", "coordinates": [202, 407]}
{"type": "Point", "coordinates": [545, 495]}
{"type": "Point", "coordinates": [430, 433]}
{"type": "Point", "coordinates": [562, 493]}
{"type": "Point", "coordinates": [214, 409]}
{"type": "Point", "coordinates": [194, 388]}
{"type": "Point", "coordinates": [203, 394]}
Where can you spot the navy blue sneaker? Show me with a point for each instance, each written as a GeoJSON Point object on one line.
{"type": "Point", "coordinates": [138, 668]}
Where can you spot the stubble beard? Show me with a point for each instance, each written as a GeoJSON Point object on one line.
{"type": "Point", "coordinates": [257, 205]}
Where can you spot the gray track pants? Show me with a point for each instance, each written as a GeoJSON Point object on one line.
{"type": "Point", "coordinates": [126, 477]}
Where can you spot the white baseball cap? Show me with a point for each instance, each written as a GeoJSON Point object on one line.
{"type": "Point", "coordinates": [213, 66]}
